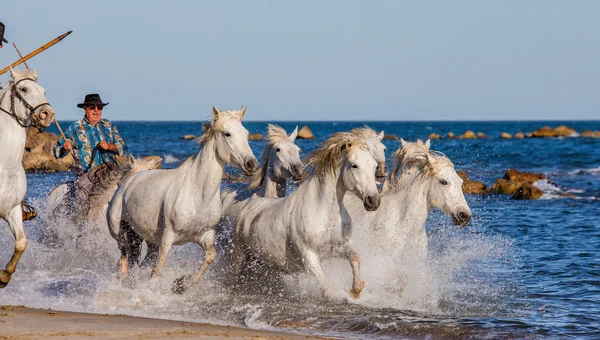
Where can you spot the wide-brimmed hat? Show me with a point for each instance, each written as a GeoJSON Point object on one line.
{"type": "Point", "coordinates": [2, 39]}
{"type": "Point", "coordinates": [92, 99]}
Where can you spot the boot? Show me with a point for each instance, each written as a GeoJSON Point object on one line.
{"type": "Point", "coordinates": [29, 212]}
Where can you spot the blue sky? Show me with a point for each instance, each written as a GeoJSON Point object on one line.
{"type": "Point", "coordinates": [316, 60]}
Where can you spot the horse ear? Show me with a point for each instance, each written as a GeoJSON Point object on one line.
{"type": "Point", "coordinates": [294, 134]}
{"type": "Point", "coordinates": [428, 143]}
{"type": "Point", "coordinates": [13, 73]}
{"type": "Point", "coordinates": [215, 113]}
{"type": "Point", "coordinates": [33, 75]}
{"type": "Point", "coordinates": [243, 112]}
{"type": "Point", "coordinates": [131, 159]}
{"type": "Point", "coordinates": [380, 136]}
{"type": "Point", "coordinates": [402, 142]}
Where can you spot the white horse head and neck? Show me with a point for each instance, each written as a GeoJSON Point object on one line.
{"type": "Point", "coordinates": [377, 149]}
{"type": "Point", "coordinates": [22, 104]}
{"type": "Point", "coordinates": [177, 206]}
{"type": "Point", "coordinates": [280, 160]}
{"type": "Point", "coordinates": [421, 179]}
{"type": "Point", "coordinates": [293, 233]}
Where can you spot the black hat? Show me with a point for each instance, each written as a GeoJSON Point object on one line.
{"type": "Point", "coordinates": [2, 39]}
{"type": "Point", "coordinates": [92, 99]}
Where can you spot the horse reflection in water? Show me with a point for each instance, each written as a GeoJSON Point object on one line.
{"type": "Point", "coordinates": [295, 233]}
{"type": "Point", "coordinates": [421, 179]}
{"type": "Point", "coordinates": [22, 104]}
{"type": "Point", "coordinates": [177, 206]}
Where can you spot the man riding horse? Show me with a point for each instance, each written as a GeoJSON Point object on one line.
{"type": "Point", "coordinates": [94, 143]}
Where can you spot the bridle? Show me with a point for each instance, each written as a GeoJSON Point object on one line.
{"type": "Point", "coordinates": [31, 120]}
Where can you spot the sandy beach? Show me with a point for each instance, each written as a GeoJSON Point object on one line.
{"type": "Point", "coordinates": [18, 322]}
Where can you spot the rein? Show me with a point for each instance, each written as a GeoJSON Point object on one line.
{"type": "Point", "coordinates": [112, 159]}
{"type": "Point", "coordinates": [31, 118]}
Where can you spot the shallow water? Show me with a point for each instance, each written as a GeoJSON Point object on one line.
{"type": "Point", "coordinates": [521, 269]}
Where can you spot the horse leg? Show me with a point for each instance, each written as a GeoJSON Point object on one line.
{"type": "Point", "coordinates": [311, 260]}
{"type": "Point", "coordinates": [15, 223]}
{"type": "Point", "coordinates": [207, 244]}
{"type": "Point", "coordinates": [165, 246]}
{"type": "Point", "coordinates": [357, 284]}
{"type": "Point", "coordinates": [130, 244]}
{"type": "Point", "coordinates": [151, 255]}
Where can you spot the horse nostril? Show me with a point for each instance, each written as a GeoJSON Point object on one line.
{"type": "Point", "coordinates": [43, 114]}
{"type": "Point", "coordinates": [251, 164]}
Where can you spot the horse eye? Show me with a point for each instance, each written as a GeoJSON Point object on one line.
{"type": "Point", "coordinates": [227, 134]}
{"type": "Point", "coordinates": [443, 182]}
{"type": "Point", "coordinates": [24, 89]}
{"type": "Point", "coordinates": [277, 149]}
{"type": "Point", "coordinates": [355, 166]}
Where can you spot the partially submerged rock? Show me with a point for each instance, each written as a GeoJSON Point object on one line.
{"type": "Point", "coordinates": [471, 187]}
{"type": "Point", "coordinates": [38, 156]}
{"type": "Point", "coordinates": [528, 191]}
{"type": "Point", "coordinates": [305, 133]}
{"type": "Point", "coordinates": [590, 133]}
{"type": "Point", "coordinates": [391, 136]}
{"type": "Point", "coordinates": [519, 135]}
{"type": "Point", "coordinates": [505, 135]}
{"type": "Point", "coordinates": [255, 136]}
{"type": "Point", "coordinates": [548, 132]}
{"type": "Point", "coordinates": [434, 136]}
{"type": "Point", "coordinates": [468, 135]}
{"type": "Point", "coordinates": [188, 137]}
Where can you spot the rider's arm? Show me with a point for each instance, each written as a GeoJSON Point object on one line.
{"type": "Point", "coordinates": [58, 150]}
{"type": "Point", "coordinates": [119, 144]}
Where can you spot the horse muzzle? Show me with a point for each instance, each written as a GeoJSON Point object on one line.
{"type": "Point", "coordinates": [371, 202]}
{"type": "Point", "coordinates": [297, 171]}
{"type": "Point", "coordinates": [462, 218]}
{"type": "Point", "coordinates": [250, 166]}
{"type": "Point", "coordinates": [381, 170]}
{"type": "Point", "coordinates": [43, 117]}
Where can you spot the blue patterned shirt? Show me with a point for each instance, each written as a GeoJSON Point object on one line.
{"type": "Point", "coordinates": [84, 137]}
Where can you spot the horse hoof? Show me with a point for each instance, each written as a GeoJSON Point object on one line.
{"type": "Point", "coordinates": [179, 285]}
{"type": "Point", "coordinates": [4, 278]}
{"type": "Point", "coordinates": [355, 291]}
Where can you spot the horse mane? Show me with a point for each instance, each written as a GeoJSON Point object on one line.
{"type": "Point", "coordinates": [326, 159]}
{"type": "Point", "coordinates": [276, 133]}
{"type": "Point", "coordinates": [429, 161]}
{"type": "Point", "coordinates": [365, 132]}
{"type": "Point", "coordinates": [216, 125]}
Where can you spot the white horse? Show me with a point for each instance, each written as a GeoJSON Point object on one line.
{"type": "Point", "coordinates": [22, 104]}
{"type": "Point", "coordinates": [61, 200]}
{"type": "Point", "coordinates": [292, 234]}
{"type": "Point", "coordinates": [280, 160]}
{"type": "Point", "coordinates": [420, 180]}
{"type": "Point", "coordinates": [181, 205]}
{"type": "Point", "coordinates": [377, 149]}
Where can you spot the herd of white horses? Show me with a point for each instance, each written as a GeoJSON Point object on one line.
{"type": "Point", "coordinates": [258, 227]}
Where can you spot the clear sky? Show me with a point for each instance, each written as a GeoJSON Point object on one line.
{"type": "Point", "coordinates": [315, 60]}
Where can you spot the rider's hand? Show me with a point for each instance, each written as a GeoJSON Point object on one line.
{"type": "Point", "coordinates": [103, 145]}
{"type": "Point", "coordinates": [68, 145]}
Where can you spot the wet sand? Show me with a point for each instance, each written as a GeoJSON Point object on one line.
{"type": "Point", "coordinates": [30, 323]}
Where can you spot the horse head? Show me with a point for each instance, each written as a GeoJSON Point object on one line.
{"type": "Point", "coordinates": [437, 171]}
{"type": "Point", "coordinates": [231, 139]}
{"type": "Point", "coordinates": [29, 106]}
{"type": "Point", "coordinates": [284, 155]}
{"type": "Point", "coordinates": [375, 146]}
{"type": "Point", "coordinates": [349, 155]}
{"type": "Point", "coordinates": [445, 190]}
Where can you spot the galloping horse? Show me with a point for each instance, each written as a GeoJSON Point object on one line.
{"type": "Point", "coordinates": [22, 104]}
{"type": "Point", "coordinates": [292, 234]}
{"type": "Point", "coordinates": [421, 179]}
{"type": "Point", "coordinates": [181, 205]}
{"type": "Point", "coordinates": [280, 160]}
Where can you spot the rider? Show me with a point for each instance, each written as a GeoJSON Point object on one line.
{"type": "Point", "coordinates": [93, 141]}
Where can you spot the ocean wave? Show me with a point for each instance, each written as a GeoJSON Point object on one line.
{"type": "Point", "coordinates": [169, 159]}
{"type": "Point", "coordinates": [595, 171]}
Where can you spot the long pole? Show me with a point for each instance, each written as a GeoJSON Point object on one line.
{"type": "Point", "coordinates": [36, 52]}
{"type": "Point", "coordinates": [53, 118]}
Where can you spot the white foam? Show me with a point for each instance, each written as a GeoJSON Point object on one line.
{"type": "Point", "coordinates": [169, 159]}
